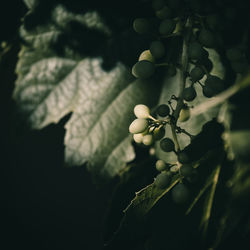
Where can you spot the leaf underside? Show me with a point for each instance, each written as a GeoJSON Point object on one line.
{"type": "Point", "coordinates": [51, 85]}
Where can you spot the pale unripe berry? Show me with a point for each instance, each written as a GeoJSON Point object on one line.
{"type": "Point", "coordinates": [141, 111]}
{"type": "Point", "coordinates": [146, 55]}
{"type": "Point", "coordinates": [147, 139]}
{"type": "Point", "coordinates": [138, 126]}
{"type": "Point", "coordinates": [160, 165]}
{"type": "Point", "coordinates": [184, 114]}
{"type": "Point", "coordinates": [138, 138]}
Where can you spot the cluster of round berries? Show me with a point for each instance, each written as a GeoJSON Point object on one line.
{"type": "Point", "coordinates": [180, 192]}
{"type": "Point", "coordinates": [146, 129]}
{"type": "Point", "coordinates": [166, 26]}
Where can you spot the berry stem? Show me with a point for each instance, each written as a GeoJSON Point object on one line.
{"type": "Point", "coordinates": [175, 140]}
{"type": "Point", "coordinates": [184, 62]}
{"type": "Point", "coordinates": [179, 105]}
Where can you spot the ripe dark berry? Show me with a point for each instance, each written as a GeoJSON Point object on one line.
{"type": "Point", "coordinates": [189, 94]}
{"type": "Point", "coordinates": [163, 110]}
{"type": "Point", "coordinates": [197, 73]}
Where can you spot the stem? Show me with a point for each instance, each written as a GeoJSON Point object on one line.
{"type": "Point", "coordinates": [176, 143]}
{"type": "Point", "coordinates": [179, 105]}
{"type": "Point", "coordinates": [184, 62]}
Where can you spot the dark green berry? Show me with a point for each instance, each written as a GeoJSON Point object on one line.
{"type": "Point", "coordinates": [186, 170]}
{"type": "Point", "coordinates": [197, 73]}
{"type": "Point", "coordinates": [163, 110]}
{"type": "Point", "coordinates": [143, 69]}
{"type": "Point", "coordinates": [163, 179]}
{"type": "Point", "coordinates": [195, 51]}
{"type": "Point", "coordinates": [207, 91]}
{"type": "Point", "coordinates": [206, 38]}
{"type": "Point", "coordinates": [141, 25]}
{"type": "Point", "coordinates": [167, 145]}
{"type": "Point", "coordinates": [183, 157]}
{"type": "Point", "coordinates": [215, 83]}
{"type": "Point", "coordinates": [189, 94]}
{"type": "Point", "coordinates": [180, 193]}
{"type": "Point", "coordinates": [167, 26]}
{"type": "Point", "coordinates": [163, 13]}
{"type": "Point", "coordinates": [157, 49]}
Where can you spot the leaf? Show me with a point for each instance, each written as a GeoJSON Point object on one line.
{"type": "Point", "coordinates": [51, 85]}
{"type": "Point", "coordinates": [209, 200]}
{"type": "Point", "coordinates": [135, 213]}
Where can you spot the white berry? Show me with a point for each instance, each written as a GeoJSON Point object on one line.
{"type": "Point", "coordinates": [141, 111]}
{"type": "Point", "coordinates": [147, 139]}
{"type": "Point", "coordinates": [138, 126]}
{"type": "Point", "coordinates": [160, 165]}
{"type": "Point", "coordinates": [138, 138]}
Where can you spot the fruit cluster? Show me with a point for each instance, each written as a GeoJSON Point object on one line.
{"type": "Point", "coordinates": [183, 34]}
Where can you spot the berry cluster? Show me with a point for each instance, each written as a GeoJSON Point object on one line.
{"type": "Point", "coordinates": [183, 34]}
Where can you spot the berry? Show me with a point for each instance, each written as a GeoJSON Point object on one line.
{"type": "Point", "coordinates": [184, 114]}
{"type": "Point", "coordinates": [207, 91]}
{"type": "Point", "coordinates": [141, 111]}
{"type": "Point", "coordinates": [148, 140]}
{"type": "Point", "coordinates": [146, 55]}
{"type": "Point", "coordinates": [138, 138]}
{"type": "Point", "coordinates": [180, 193]}
{"type": "Point", "coordinates": [215, 83]}
{"type": "Point", "coordinates": [197, 73]}
{"type": "Point", "coordinates": [143, 69]}
{"type": "Point", "coordinates": [183, 157]}
{"type": "Point", "coordinates": [164, 13]}
{"type": "Point", "coordinates": [212, 21]}
{"type": "Point", "coordinates": [189, 94]}
{"type": "Point", "coordinates": [141, 25]}
{"type": "Point", "coordinates": [163, 110]}
{"type": "Point", "coordinates": [157, 49]}
{"type": "Point", "coordinates": [206, 38]}
{"type": "Point", "coordinates": [160, 165]}
{"type": "Point", "coordinates": [195, 51]}
{"type": "Point", "coordinates": [167, 26]}
{"type": "Point", "coordinates": [138, 126]}
{"type": "Point", "coordinates": [186, 170]}
{"type": "Point", "coordinates": [163, 179]}
{"type": "Point", "coordinates": [167, 145]}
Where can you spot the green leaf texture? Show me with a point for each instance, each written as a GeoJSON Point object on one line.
{"type": "Point", "coordinates": [49, 86]}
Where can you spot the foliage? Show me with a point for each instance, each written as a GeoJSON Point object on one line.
{"type": "Point", "coordinates": [193, 57]}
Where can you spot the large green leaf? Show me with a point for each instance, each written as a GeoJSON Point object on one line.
{"type": "Point", "coordinates": [51, 85]}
